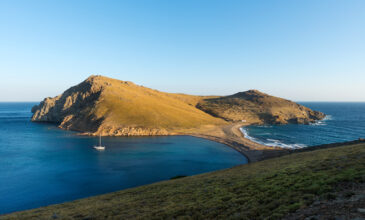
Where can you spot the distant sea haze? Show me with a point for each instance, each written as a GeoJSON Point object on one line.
{"type": "Point", "coordinates": [345, 121]}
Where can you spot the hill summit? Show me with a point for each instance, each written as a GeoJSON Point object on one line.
{"type": "Point", "coordinates": [254, 106]}
{"type": "Point", "coordinates": [121, 108]}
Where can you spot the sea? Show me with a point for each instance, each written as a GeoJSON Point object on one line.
{"type": "Point", "coordinates": [42, 165]}
{"type": "Point", "coordinates": [344, 121]}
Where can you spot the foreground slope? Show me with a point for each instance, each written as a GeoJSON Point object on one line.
{"type": "Point", "coordinates": [269, 189]}
{"type": "Point", "coordinates": [106, 106]}
{"type": "Point", "coordinates": [114, 107]}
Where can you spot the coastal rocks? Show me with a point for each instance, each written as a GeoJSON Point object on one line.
{"type": "Point", "coordinates": [256, 107]}
{"type": "Point", "coordinates": [130, 131]}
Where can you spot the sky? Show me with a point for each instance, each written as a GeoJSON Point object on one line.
{"type": "Point", "coordinates": [303, 50]}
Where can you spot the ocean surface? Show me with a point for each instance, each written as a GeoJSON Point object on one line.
{"type": "Point", "coordinates": [344, 122]}
{"type": "Point", "coordinates": [41, 164]}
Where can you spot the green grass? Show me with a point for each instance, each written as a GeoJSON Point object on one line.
{"type": "Point", "coordinates": [263, 190]}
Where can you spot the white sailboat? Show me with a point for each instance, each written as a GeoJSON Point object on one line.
{"type": "Point", "coordinates": [99, 147]}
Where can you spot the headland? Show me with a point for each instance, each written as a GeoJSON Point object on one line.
{"type": "Point", "coordinates": [110, 107]}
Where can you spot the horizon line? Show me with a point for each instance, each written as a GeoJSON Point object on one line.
{"type": "Point", "coordinates": [15, 101]}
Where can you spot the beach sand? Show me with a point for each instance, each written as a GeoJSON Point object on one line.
{"type": "Point", "coordinates": [232, 136]}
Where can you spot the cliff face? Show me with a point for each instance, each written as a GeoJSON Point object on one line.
{"type": "Point", "coordinates": [74, 109]}
{"type": "Point", "coordinates": [256, 107]}
{"type": "Point", "coordinates": [101, 105]}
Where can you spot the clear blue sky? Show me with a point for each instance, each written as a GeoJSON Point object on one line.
{"type": "Point", "coordinates": [301, 50]}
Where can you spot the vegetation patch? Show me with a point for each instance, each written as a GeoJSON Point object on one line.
{"type": "Point", "coordinates": [177, 177]}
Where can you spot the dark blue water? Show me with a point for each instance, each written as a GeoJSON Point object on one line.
{"type": "Point", "coordinates": [42, 165]}
{"type": "Point", "coordinates": [344, 122]}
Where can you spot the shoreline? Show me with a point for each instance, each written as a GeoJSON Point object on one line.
{"type": "Point", "coordinates": [232, 136]}
{"type": "Point", "coordinates": [273, 143]}
{"type": "Point", "coordinates": [229, 135]}
{"type": "Point", "coordinates": [255, 152]}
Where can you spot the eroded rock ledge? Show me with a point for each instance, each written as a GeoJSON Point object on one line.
{"type": "Point", "coordinates": [129, 131]}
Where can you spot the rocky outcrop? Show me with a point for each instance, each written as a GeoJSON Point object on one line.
{"type": "Point", "coordinates": [131, 131]}
{"type": "Point", "coordinates": [256, 107]}
{"type": "Point", "coordinates": [73, 109]}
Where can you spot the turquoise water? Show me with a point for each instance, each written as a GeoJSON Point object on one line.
{"type": "Point", "coordinates": [42, 165]}
{"type": "Point", "coordinates": [344, 122]}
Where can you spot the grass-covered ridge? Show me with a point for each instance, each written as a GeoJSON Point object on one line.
{"type": "Point", "coordinates": [268, 189]}
{"type": "Point", "coordinates": [120, 108]}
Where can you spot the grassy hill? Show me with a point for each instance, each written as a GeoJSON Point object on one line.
{"type": "Point", "coordinates": [256, 107]}
{"type": "Point", "coordinates": [268, 189]}
{"type": "Point", "coordinates": [114, 107]}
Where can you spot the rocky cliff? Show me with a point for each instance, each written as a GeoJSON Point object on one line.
{"type": "Point", "coordinates": [106, 106]}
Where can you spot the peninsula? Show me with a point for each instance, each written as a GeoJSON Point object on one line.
{"type": "Point", "coordinates": [110, 107]}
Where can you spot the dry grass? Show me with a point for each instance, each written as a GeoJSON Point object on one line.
{"type": "Point", "coordinates": [124, 104]}
{"type": "Point", "coordinates": [256, 107]}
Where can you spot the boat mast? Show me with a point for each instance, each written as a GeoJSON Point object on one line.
{"type": "Point", "coordinates": [99, 139]}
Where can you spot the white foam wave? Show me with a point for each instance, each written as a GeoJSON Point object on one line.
{"type": "Point", "coordinates": [271, 142]}
{"type": "Point", "coordinates": [323, 121]}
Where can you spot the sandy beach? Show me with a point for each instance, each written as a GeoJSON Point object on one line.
{"type": "Point", "coordinates": [232, 136]}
